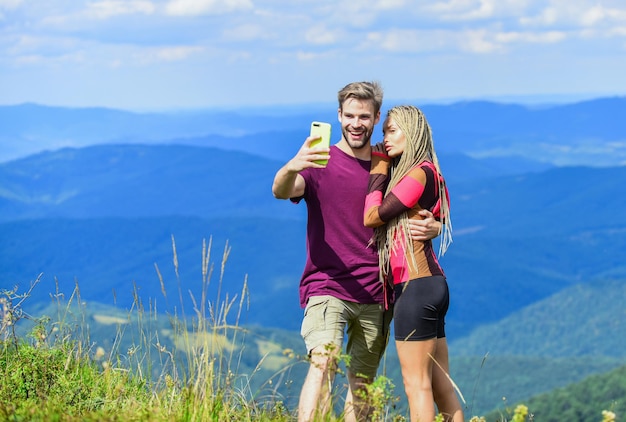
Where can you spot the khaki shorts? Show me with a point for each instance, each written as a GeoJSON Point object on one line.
{"type": "Point", "coordinates": [326, 319]}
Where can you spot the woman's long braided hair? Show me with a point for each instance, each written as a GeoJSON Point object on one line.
{"type": "Point", "coordinates": [419, 148]}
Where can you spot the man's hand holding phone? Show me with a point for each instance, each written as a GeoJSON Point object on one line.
{"type": "Point", "coordinates": [314, 153]}
{"type": "Point", "coordinates": [320, 131]}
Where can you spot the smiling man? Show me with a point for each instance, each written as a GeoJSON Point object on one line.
{"type": "Point", "coordinates": [340, 288]}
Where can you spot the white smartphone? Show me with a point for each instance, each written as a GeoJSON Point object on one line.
{"type": "Point", "coordinates": [323, 130]}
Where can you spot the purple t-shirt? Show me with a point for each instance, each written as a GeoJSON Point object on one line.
{"type": "Point", "coordinates": [339, 261]}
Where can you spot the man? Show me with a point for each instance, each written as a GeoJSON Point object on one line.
{"type": "Point", "coordinates": [340, 285]}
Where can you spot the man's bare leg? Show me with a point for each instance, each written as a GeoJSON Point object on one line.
{"type": "Point", "coordinates": [356, 407]}
{"type": "Point", "coordinates": [315, 397]}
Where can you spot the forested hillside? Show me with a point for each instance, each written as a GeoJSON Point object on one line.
{"type": "Point", "coordinates": [582, 401]}
{"type": "Point", "coordinates": [142, 208]}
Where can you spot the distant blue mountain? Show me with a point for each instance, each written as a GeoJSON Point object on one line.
{"type": "Point", "coordinates": [134, 181]}
{"type": "Point", "coordinates": [558, 201]}
{"type": "Point", "coordinates": [115, 261]}
{"type": "Point", "coordinates": [104, 215]}
{"type": "Point", "coordinates": [578, 332]}
{"type": "Point", "coordinates": [140, 181]}
{"type": "Point", "coordinates": [145, 181]}
{"type": "Point", "coordinates": [587, 133]}
{"type": "Point", "coordinates": [96, 198]}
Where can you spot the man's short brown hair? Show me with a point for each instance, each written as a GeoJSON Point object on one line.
{"type": "Point", "coordinates": [366, 91]}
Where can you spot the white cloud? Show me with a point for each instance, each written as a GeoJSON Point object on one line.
{"type": "Point", "coordinates": [617, 14]}
{"type": "Point", "coordinates": [167, 54]}
{"type": "Point", "coordinates": [477, 41]}
{"type": "Point", "coordinates": [41, 47]}
{"type": "Point", "coordinates": [65, 20]}
{"type": "Point", "coordinates": [173, 54]}
{"type": "Point", "coordinates": [10, 4]}
{"type": "Point", "coordinates": [247, 32]}
{"type": "Point", "coordinates": [531, 37]}
{"type": "Point", "coordinates": [283, 38]}
{"type": "Point", "coordinates": [320, 35]}
{"type": "Point", "coordinates": [618, 32]}
{"type": "Point", "coordinates": [310, 56]}
{"type": "Point", "coordinates": [463, 9]}
{"type": "Point", "coordinates": [390, 4]}
{"type": "Point", "coordinates": [547, 17]}
{"type": "Point", "coordinates": [109, 8]}
{"type": "Point", "coordinates": [409, 41]}
{"type": "Point", "coordinates": [574, 13]}
{"type": "Point", "coordinates": [71, 59]}
{"type": "Point", "coordinates": [598, 15]}
{"type": "Point", "coordinates": [206, 7]}
{"type": "Point", "coordinates": [306, 56]}
{"type": "Point", "coordinates": [592, 16]}
{"type": "Point", "coordinates": [238, 56]}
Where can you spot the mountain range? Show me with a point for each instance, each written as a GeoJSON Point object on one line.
{"type": "Point", "coordinates": [589, 133]}
{"type": "Point", "coordinates": [106, 215]}
{"type": "Point", "coordinates": [125, 204]}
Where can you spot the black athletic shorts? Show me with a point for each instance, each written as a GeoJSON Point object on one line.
{"type": "Point", "coordinates": [420, 308]}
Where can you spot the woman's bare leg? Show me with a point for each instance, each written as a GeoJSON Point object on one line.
{"type": "Point", "coordinates": [443, 391]}
{"type": "Point", "coordinates": [417, 368]}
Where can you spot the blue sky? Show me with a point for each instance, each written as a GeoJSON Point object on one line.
{"type": "Point", "coordinates": [168, 54]}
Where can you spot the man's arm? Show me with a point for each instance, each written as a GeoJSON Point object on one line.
{"type": "Point", "coordinates": [288, 183]}
{"type": "Point", "coordinates": [425, 229]}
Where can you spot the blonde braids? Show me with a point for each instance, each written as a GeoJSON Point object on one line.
{"type": "Point", "coordinates": [419, 147]}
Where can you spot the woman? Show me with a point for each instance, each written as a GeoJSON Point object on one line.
{"type": "Point", "coordinates": [404, 179]}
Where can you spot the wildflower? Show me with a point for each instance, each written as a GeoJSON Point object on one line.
{"type": "Point", "coordinates": [99, 353]}
{"type": "Point", "coordinates": [608, 416]}
{"type": "Point", "coordinates": [521, 411]}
